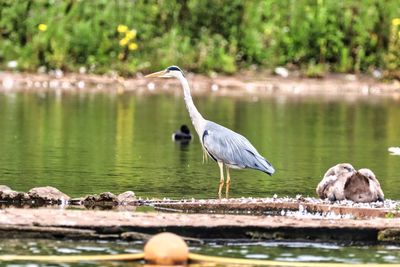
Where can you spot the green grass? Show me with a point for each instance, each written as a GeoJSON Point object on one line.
{"type": "Point", "coordinates": [203, 36]}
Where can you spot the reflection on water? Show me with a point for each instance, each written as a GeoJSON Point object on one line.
{"type": "Point", "coordinates": [67, 247]}
{"type": "Point", "coordinates": [303, 252]}
{"type": "Point", "coordinates": [93, 142]}
{"type": "Point", "coordinates": [271, 250]}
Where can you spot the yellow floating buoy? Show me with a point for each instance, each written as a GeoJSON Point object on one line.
{"type": "Point", "coordinates": [166, 249]}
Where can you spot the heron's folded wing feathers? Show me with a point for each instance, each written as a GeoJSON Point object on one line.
{"type": "Point", "coordinates": [232, 148]}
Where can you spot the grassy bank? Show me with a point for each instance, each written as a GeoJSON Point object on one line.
{"type": "Point", "coordinates": [128, 36]}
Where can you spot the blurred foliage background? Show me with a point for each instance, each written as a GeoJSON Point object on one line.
{"type": "Point", "coordinates": [314, 36]}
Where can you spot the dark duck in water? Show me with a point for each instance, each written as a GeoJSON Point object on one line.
{"type": "Point", "coordinates": [182, 134]}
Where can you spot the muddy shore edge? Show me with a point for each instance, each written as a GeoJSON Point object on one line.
{"type": "Point", "coordinates": [242, 84]}
{"type": "Point", "coordinates": [274, 218]}
{"type": "Point", "coordinates": [90, 224]}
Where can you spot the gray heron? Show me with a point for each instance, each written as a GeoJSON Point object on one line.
{"type": "Point", "coordinates": [223, 145]}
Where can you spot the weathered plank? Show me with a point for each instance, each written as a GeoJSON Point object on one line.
{"type": "Point", "coordinates": [276, 206]}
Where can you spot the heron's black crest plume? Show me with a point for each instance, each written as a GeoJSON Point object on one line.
{"type": "Point", "coordinates": [176, 68]}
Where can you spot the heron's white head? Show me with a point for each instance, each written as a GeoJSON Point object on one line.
{"type": "Point", "coordinates": [170, 72]}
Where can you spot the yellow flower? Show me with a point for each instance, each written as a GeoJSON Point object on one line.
{"type": "Point", "coordinates": [122, 28]}
{"type": "Point", "coordinates": [133, 46]}
{"type": "Point", "coordinates": [123, 41]}
{"type": "Point", "coordinates": [42, 27]}
{"type": "Point", "coordinates": [130, 34]}
{"type": "Point", "coordinates": [396, 21]}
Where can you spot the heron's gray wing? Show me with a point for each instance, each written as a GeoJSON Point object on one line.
{"type": "Point", "coordinates": [233, 149]}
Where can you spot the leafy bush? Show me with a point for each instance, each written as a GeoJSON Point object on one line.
{"type": "Point", "coordinates": [392, 58]}
{"type": "Point", "coordinates": [209, 35]}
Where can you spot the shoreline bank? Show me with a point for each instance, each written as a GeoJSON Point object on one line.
{"type": "Point", "coordinates": [242, 84]}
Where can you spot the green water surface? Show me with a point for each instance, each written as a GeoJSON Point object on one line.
{"type": "Point", "coordinates": [84, 143]}
{"type": "Point", "coordinates": [268, 250]}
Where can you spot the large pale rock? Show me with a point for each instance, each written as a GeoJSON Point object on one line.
{"type": "Point", "coordinates": [48, 194]}
{"type": "Point", "coordinates": [126, 197]}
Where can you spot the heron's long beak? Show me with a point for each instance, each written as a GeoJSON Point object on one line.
{"type": "Point", "coordinates": [156, 74]}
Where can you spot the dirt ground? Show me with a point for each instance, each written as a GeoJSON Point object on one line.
{"type": "Point", "coordinates": [245, 83]}
{"type": "Point", "coordinates": [98, 218]}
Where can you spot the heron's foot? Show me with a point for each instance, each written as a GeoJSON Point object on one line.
{"type": "Point", "coordinates": [227, 190]}
{"type": "Point", "coordinates": [221, 185]}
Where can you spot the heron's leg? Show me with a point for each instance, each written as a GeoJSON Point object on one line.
{"type": "Point", "coordinates": [228, 181]}
{"type": "Point", "coordinates": [221, 180]}
{"type": "Point", "coordinates": [205, 156]}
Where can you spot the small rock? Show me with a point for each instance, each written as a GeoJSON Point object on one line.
{"type": "Point", "coordinates": [103, 197]}
{"type": "Point", "coordinates": [8, 83]}
{"type": "Point", "coordinates": [12, 64]}
{"type": "Point", "coordinates": [7, 194]}
{"type": "Point", "coordinates": [91, 198]}
{"type": "Point", "coordinates": [281, 71]}
{"type": "Point", "coordinates": [14, 196]}
{"type": "Point", "coordinates": [58, 73]}
{"type": "Point", "coordinates": [377, 73]}
{"type": "Point", "coordinates": [351, 77]}
{"type": "Point", "coordinates": [82, 70]}
{"type": "Point", "coordinates": [81, 84]}
{"type": "Point", "coordinates": [48, 194]}
{"type": "Point", "coordinates": [151, 86]}
{"type": "Point", "coordinates": [126, 197]}
{"type": "Point", "coordinates": [4, 188]}
{"type": "Point", "coordinates": [108, 197]}
{"type": "Point", "coordinates": [214, 87]}
{"type": "Point", "coordinates": [42, 69]}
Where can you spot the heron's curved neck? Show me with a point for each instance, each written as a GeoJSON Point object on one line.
{"type": "Point", "coordinates": [195, 116]}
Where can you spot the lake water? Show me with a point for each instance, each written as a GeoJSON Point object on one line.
{"type": "Point", "coordinates": [85, 143]}
{"type": "Point", "coordinates": [274, 250]}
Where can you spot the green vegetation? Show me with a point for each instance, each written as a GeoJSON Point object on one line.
{"type": "Point", "coordinates": [389, 215]}
{"type": "Point", "coordinates": [209, 35]}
